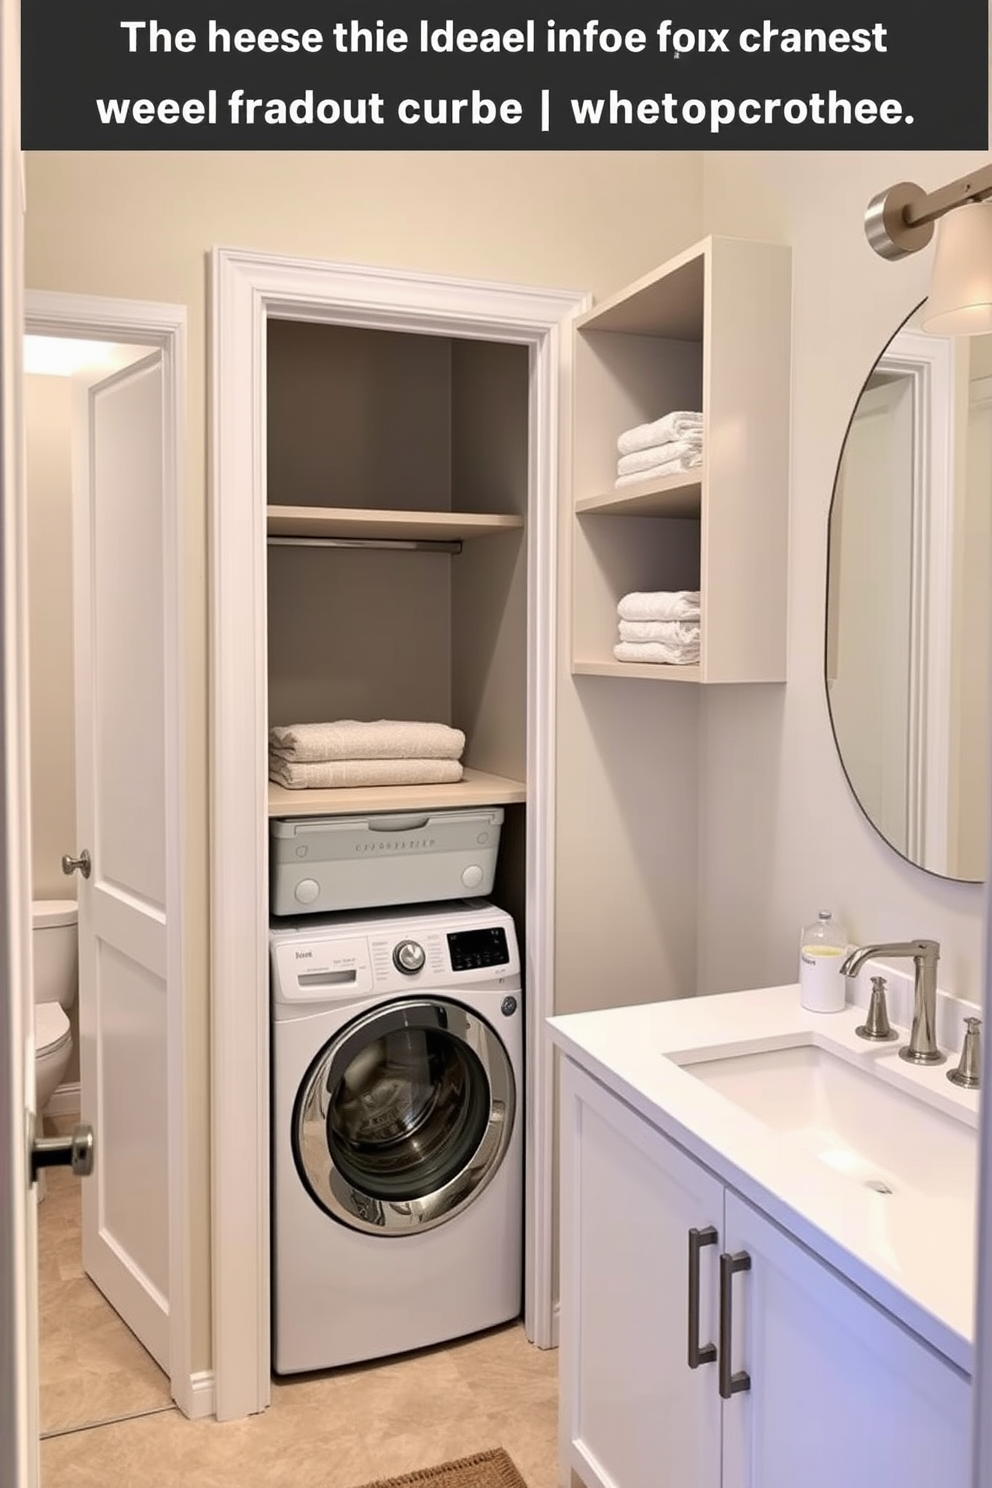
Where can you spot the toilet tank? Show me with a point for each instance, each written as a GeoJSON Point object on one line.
{"type": "Point", "coordinates": [54, 947]}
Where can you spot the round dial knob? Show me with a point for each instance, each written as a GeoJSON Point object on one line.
{"type": "Point", "coordinates": [307, 890]}
{"type": "Point", "coordinates": [408, 957]}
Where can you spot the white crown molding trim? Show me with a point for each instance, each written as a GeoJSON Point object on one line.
{"type": "Point", "coordinates": [246, 289]}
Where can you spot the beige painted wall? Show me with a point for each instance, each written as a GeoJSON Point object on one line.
{"type": "Point", "coordinates": [48, 459]}
{"type": "Point", "coordinates": [49, 482]}
{"type": "Point", "coordinates": [795, 840]}
{"type": "Point", "coordinates": [141, 225]}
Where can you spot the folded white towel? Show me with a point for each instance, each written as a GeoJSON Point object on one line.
{"type": "Point", "coordinates": [656, 651]}
{"type": "Point", "coordinates": [660, 468]}
{"type": "Point", "coordinates": [663, 604]}
{"type": "Point", "coordinates": [688, 451]}
{"type": "Point", "coordinates": [670, 632]}
{"type": "Point", "coordinates": [325, 774]}
{"type": "Point", "coordinates": [350, 739]}
{"type": "Point", "coordinates": [674, 425]}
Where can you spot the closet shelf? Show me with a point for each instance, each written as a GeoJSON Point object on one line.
{"type": "Point", "coordinates": [678, 495]}
{"type": "Point", "coordinates": [476, 788]}
{"type": "Point", "coordinates": [648, 671]}
{"type": "Point", "coordinates": [403, 526]}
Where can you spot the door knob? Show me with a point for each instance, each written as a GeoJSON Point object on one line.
{"type": "Point", "coordinates": [82, 863]}
{"type": "Point", "coordinates": [75, 1152]}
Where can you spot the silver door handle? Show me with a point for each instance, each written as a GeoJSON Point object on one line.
{"type": "Point", "coordinates": [82, 863]}
{"type": "Point", "coordinates": [75, 1152]}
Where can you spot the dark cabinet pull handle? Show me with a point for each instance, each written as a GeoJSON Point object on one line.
{"type": "Point", "coordinates": [699, 1353]}
{"type": "Point", "coordinates": [730, 1383]}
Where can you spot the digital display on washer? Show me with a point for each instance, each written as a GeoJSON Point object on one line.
{"type": "Point", "coordinates": [469, 949]}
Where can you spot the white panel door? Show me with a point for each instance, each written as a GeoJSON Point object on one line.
{"type": "Point", "coordinates": [18, 1247]}
{"type": "Point", "coordinates": [841, 1395]}
{"type": "Point", "coordinates": [634, 1413]}
{"type": "Point", "coordinates": [118, 485]}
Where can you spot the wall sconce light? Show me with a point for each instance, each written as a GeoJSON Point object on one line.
{"type": "Point", "coordinates": [900, 221]}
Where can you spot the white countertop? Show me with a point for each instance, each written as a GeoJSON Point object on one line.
{"type": "Point", "coordinates": [915, 1259]}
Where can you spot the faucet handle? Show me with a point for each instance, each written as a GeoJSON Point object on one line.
{"type": "Point", "coordinates": [968, 1073]}
{"type": "Point", "coordinates": [876, 1025]}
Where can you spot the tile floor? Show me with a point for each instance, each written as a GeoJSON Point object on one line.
{"type": "Point", "coordinates": [91, 1367]}
{"type": "Point", "coordinates": [335, 1430]}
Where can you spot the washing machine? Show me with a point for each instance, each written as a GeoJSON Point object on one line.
{"type": "Point", "coordinates": [397, 1131]}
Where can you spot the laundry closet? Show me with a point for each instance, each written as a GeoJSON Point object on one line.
{"type": "Point", "coordinates": [397, 487]}
{"type": "Point", "coordinates": [397, 469]}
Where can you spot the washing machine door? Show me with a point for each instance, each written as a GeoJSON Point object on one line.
{"type": "Point", "coordinates": [404, 1116]}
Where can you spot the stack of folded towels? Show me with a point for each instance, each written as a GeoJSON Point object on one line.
{"type": "Point", "coordinates": [349, 753]}
{"type": "Point", "coordinates": [668, 445]}
{"type": "Point", "coordinates": [659, 627]}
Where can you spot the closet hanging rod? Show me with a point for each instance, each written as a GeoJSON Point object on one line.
{"type": "Point", "coordinates": [421, 544]}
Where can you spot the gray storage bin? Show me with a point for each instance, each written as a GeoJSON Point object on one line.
{"type": "Point", "coordinates": [323, 863]}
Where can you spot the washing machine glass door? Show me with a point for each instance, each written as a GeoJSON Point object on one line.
{"type": "Point", "coordinates": [404, 1116]}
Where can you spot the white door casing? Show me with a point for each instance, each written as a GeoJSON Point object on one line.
{"type": "Point", "coordinates": [128, 578]}
{"type": "Point", "coordinates": [18, 1243]}
{"type": "Point", "coordinates": [247, 288]}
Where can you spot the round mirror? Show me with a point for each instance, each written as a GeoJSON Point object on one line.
{"type": "Point", "coordinates": [908, 655]}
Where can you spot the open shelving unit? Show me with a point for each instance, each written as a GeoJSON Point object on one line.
{"type": "Point", "coordinates": [708, 331]}
{"type": "Point", "coordinates": [398, 464]}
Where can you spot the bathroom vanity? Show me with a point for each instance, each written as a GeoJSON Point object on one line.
{"type": "Point", "coordinates": [767, 1251]}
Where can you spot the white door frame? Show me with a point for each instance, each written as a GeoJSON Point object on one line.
{"type": "Point", "coordinates": [19, 1456]}
{"type": "Point", "coordinates": [163, 326]}
{"type": "Point", "coordinates": [246, 289]}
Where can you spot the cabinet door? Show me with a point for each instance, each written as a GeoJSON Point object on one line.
{"type": "Point", "coordinates": [634, 1415]}
{"type": "Point", "coordinates": [840, 1392]}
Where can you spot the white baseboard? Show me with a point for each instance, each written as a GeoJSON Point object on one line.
{"type": "Point", "coordinates": [65, 1101]}
{"type": "Point", "coordinates": [200, 1396]}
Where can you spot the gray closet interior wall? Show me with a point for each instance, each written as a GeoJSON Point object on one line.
{"type": "Point", "coordinates": [396, 421]}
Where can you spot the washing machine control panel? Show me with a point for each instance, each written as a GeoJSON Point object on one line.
{"type": "Point", "coordinates": [471, 950]}
{"type": "Point", "coordinates": [375, 956]}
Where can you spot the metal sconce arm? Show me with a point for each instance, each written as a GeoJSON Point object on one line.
{"type": "Point", "coordinates": [900, 220]}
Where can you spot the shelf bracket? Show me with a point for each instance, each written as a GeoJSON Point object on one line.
{"type": "Point", "coordinates": [419, 545]}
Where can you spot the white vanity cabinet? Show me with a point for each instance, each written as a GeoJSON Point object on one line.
{"type": "Point", "coordinates": [821, 1387]}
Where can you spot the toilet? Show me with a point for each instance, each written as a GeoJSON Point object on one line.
{"type": "Point", "coordinates": [54, 949]}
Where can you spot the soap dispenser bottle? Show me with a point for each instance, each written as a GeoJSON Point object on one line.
{"type": "Point", "coordinates": [822, 947]}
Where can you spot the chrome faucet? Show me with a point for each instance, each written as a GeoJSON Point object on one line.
{"type": "Point", "coordinates": [922, 1046]}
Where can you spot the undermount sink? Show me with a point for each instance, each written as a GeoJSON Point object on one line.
{"type": "Point", "coordinates": [883, 1137]}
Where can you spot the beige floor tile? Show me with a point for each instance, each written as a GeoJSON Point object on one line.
{"type": "Point", "coordinates": [394, 1452]}
{"type": "Point", "coordinates": [91, 1367]}
{"type": "Point", "coordinates": [504, 1372]}
{"type": "Point", "coordinates": [340, 1429]}
{"type": "Point", "coordinates": [531, 1438]}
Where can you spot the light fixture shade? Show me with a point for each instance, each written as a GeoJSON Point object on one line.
{"type": "Point", "coordinates": [960, 302]}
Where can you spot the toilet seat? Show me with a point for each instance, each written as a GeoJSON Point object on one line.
{"type": "Point", "coordinates": [51, 1028]}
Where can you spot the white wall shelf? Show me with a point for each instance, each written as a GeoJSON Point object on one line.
{"type": "Point", "coordinates": [476, 788]}
{"type": "Point", "coordinates": [645, 672]}
{"type": "Point", "coordinates": [671, 496]}
{"type": "Point", "coordinates": [709, 331]}
{"type": "Point", "coordinates": [378, 523]}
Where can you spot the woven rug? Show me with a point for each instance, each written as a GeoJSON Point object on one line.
{"type": "Point", "coordinates": [485, 1470]}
